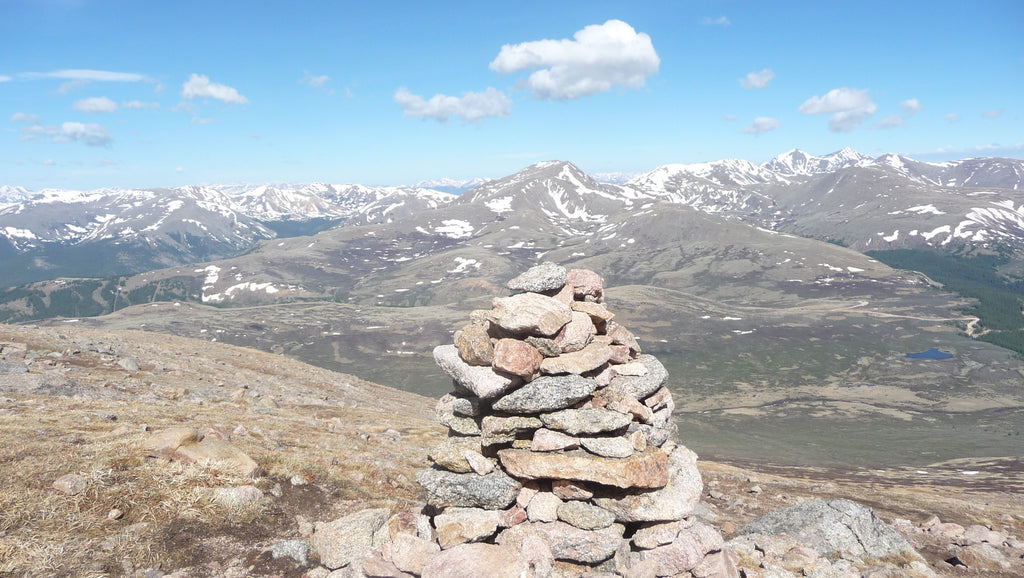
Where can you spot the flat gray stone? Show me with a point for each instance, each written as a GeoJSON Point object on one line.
{"type": "Point", "coordinates": [459, 405]}
{"type": "Point", "coordinates": [544, 277]}
{"type": "Point", "coordinates": [832, 527]}
{"type": "Point", "coordinates": [618, 447]}
{"type": "Point", "coordinates": [494, 491]}
{"type": "Point", "coordinates": [483, 382]}
{"type": "Point", "coordinates": [585, 516]}
{"type": "Point", "coordinates": [496, 429]}
{"type": "Point", "coordinates": [546, 394]}
{"type": "Point", "coordinates": [585, 421]}
{"type": "Point", "coordinates": [466, 426]}
{"type": "Point", "coordinates": [644, 385]}
{"type": "Point", "coordinates": [6, 367]}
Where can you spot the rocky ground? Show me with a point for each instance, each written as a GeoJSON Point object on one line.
{"type": "Point", "coordinates": [81, 496]}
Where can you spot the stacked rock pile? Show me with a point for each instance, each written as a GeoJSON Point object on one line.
{"type": "Point", "coordinates": [560, 455]}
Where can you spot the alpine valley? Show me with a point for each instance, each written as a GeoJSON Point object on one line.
{"type": "Point", "coordinates": [764, 289]}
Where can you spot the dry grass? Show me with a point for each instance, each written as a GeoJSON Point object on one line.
{"type": "Point", "coordinates": [94, 427]}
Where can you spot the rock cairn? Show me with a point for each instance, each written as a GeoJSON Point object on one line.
{"type": "Point", "coordinates": [560, 456]}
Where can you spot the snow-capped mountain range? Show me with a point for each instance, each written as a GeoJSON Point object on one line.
{"type": "Point", "coordinates": [866, 203]}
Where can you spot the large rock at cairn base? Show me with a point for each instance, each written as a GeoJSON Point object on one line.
{"type": "Point", "coordinates": [482, 381]}
{"type": "Point", "coordinates": [832, 527]}
{"type": "Point", "coordinates": [647, 469]}
{"type": "Point", "coordinates": [494, 491]}
{"type": "Point", "coordinates": [476, 560]}
{"type": "Point", "coordinates": [568, 542]}
{"type": "Point", "coordinates": [673, 502]}
{"type": "Point", "coordinates": [348, 539]}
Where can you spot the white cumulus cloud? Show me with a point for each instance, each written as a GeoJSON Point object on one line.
{"type": "Point", "coordinates": [199, 86]}
{"type": "Point", "coordinates": [757, 80]}
{"type": "Point", "coordinates": [911, 106]}
{"type": "Point", "coordinates": [472, 107]}
{"type": "Point", "coordinates": [761, 125]}
{"type": "Point", "coordinates": [598, 58]}
{"type": "Point", "coordinates": [849, 108]}
{"type": "Point", "coordinates": [95, 104]}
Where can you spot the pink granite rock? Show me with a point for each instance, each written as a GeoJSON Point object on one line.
{"type": "Point", "coordinates": [576, 334]}
{"type": "Point", "coordinates": [649, 469]}
{"type": "Point", "coordinates": [517, 357]}
{"type": "Point", "coordinates": [585, 283]}
{"type": "Point", "coordinates": [530, 313]}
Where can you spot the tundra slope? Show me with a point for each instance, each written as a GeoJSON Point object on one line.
{"type": "Point", "coordinates": [768, 335]}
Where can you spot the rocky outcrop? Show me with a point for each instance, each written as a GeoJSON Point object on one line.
{"type": "Point", "coordinates": [833, 527]}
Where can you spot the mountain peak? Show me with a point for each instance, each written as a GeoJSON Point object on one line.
{"type": "Point", "coordinates": [799, 163]}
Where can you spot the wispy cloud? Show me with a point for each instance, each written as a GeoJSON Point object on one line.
{"type": "Point", "coordinates": [597, 59]}
{"type": "Point", "coordinates": [78, 77]}
{"type": "Point", "coordinates": [472, 107]}
{"type": "Point", "coordinates": [89, 134]}
{"type": "Point", "coordinates": [849, 108]}
{"type": "Point", "coordinates": [89, 75]}
{"type": "Point", "coordinates": [761, 125]}
{"type": "Point", "coordinates": [316, 81]}
{"type": "Point", "coordinates": [5, 78]}
{"type": "Point", "coordinates": [199, 86]}
{"type": "Point", "coordinates": [891, 121]}
{"type": "Point", "coordinates": [139, 105]}
{"type": "Point", "coordinates": [994, 113]}
{"type": "Point", "coordinates": [757, 80]}
{"type": "Point", "coordinates": [22, 117]}
{"type": "Point", "coordinates": [720, 21]}
{"type": "Point", "coordinates": [95, 104]}
{"type": "Point", "coordinates": [952, 117]}
{"type": "Point", "coordinates": [910, 107]}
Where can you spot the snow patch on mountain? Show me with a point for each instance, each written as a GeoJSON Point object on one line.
{"type": "Point", "coordinates": [455, 229]}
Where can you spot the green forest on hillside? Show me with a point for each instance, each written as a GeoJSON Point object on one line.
{"type": "Point", "coordinates": [998, 297]}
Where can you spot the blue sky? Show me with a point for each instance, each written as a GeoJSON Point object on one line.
{"type": "Point", "coordinates": [144, 94]}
